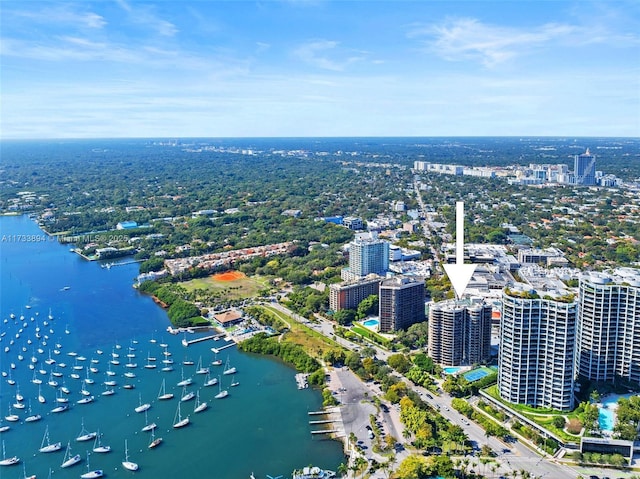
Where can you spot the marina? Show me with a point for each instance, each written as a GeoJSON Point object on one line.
{"type": "Point", "coordinates": [102, 394]}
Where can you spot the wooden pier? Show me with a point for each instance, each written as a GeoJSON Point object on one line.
{"type": "Point", "coordinates": [186, 343]}
{"type": "Point", "coordinates": [217, 350]}
{"type": "Point", "coordinates": [325, 421]}
{"type": "Point", "coordinates": [325, 431]}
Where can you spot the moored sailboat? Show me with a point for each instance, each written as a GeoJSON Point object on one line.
{"type": "Point", "coordinates": [49, 447]}
{"type": "Point", "coordinates": [200, 406]}
{"type": "Point", "coordinates": [127, 464]}
{"type": "Point", "coordinates": [70, 460]}
{"type": "Point", "coordinates": [178, 421]}
{"type": "Point", "coordinates": [163, 394]}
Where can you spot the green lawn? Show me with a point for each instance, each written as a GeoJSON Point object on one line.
{"type": "Point", "coordinates": [227, 290]}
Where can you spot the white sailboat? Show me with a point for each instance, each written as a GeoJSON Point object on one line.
{"type": "Point", "coordinates": [234, 382]}
{"type": "Point", "coordinates": [127, 464]}
{"type": "Point", "coordinates": [41, 398]}
{"type": "Point", "coordinates": [187, 396]}
{"type": "Point", "coordinates": [8, 461]}
{"type": "Point", "coordinates": [200, 369]}
{"type": "Point", "coordinates": [209, 381]}
{"type": "Point", "coordinates": [163, 394]}
{"type": "Point", "coordinates": [91, 474]}
{"type": "Point", "coordinates": [155, 442]}
{"type": "Point", "coordinates": [85, 435]}
{"type": "Point", "coordinates": [200, 406]}
{"type": "Point", "coordinates": [98, 446]}
{"type": "Point", "coordinates": [49, 447]}
{"type": "Point", "coordinates": [228, 369]}
{"type": "Point", "coordinates": [184, 382]}
{"type": "Point", "coordinates": [142, 407]}
{"type": "Point", "coordinates": [221, 393]}
{"type": "Point", "coordinates": [70, 460]}
{"type": "Point", "coordinates": [178, 421]}
{"type": "Point", "coordinates": [148, 426]}
{"type": "Point", "coordinates": [216, 361]}
{"type": "Point", "coordinates": [32, 417]}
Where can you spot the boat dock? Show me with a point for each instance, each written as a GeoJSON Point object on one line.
{"type": "Point", "coordinates": [324, 411]}
{"type": "Point", "coordinates": [324, 421]}
{"type": "Point", "coordinates": [186, 343]}
{"type": "Point", "coordinates": [325, 431]}
{"type": "Point", "coordinates": [217, 350]}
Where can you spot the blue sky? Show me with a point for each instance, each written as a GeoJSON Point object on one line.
{"type": "Point", "coordinates": [319, 68]}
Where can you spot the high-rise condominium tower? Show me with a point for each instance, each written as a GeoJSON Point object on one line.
{"type": "Point", "coordinates": [401, 303]}
{"type": "Point", "coordinates": [459, 332]}
{"type": "Point", "coordinates": [536, 357]}
{"type": "Point", "coordinates": [608, 333]}
{"type": "Point", "coordinates": [368, 255]}
{"type": "Point", "coordinates": [584, 169]}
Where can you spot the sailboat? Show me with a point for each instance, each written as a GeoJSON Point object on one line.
{"type": "Point", "coordinates": [127, 464]}
{"type": "Point", "coordinates": [85, 435]}
{"type": "Point", "coordinates": [70, 460]}
{"type": "Point", "coordinates": [8, 461]}
{"type": "Point", "coordinates": [150, 364]}
{"type": "Point", "coordinates": [209, 381]}
{"type": "Point", "coordinates": [12, 417]}
{"type": "Point", "coordinates": [216, 361]}
{"type": "Point", "coordinates": [228, 369]}
{"type": "Point", "coordinates": [41, 398]}
{"type": "Point", "coordinates": [187, 396]}
{"type": "Point", "coordinates": [142, 407]}
{"type": "Point", "coordinates": [163, 394]}
{"type": "Point", "coordinates": [48, 447]}
{"type": "Point", "coordinates": [221, 394]}
{"type": "Point", "coordinates": [200, 369]}
{"type": "Point", "coordinates": [91, 474]}
{"type": "Point", "coordinates": [178, 421]}
{"type": "Point", "coordinates": [97, 445]}
{"type": "Point", "coordinates": [155, 442]}
{"type": "Point", "coordinates": [200, 406]}
{"type": "Point", "coordinates": [184, 382]}
{"type": "Point", "coordinates": [148, 426]}
{"type": "Point", "coordinates": [234, 382]}
{"type": "Point", "coordinates": [32, 417]}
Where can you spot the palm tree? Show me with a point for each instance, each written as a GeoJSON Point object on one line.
{"type": "Point", "coordinates": [343, 469]}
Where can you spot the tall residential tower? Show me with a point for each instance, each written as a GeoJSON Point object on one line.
{"type": "Point", "coordinates": [537, 344]}
{"type": "Point", "coordinates": [460, 332]}
{"type": "Point", "coordinates": [608, 334]}
{"type": "Point", "coordinates": [401, 303]}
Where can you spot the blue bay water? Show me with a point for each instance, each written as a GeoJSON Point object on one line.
{"type": "Point", "coordinates": [262, 427]}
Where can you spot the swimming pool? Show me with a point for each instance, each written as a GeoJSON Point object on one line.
{"type": "Point", "coordinates": [606, 419]}
{"type": "Point", "coordinates": [371, 323]}
{"type": "Point", "coordinates": [607, 412]}
{"type": "Point", "coordinates": [451, 370]}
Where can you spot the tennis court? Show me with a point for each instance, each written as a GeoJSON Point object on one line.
{"type": "Point", "coordinates": [477, 374]}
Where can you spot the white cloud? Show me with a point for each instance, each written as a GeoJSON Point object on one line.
{"type": "Point", "coordinates": [317, 53]}
{"type": "Point", "coordinates": [469, 39]}
{"type": "Point", "coordinates": [59, 15]}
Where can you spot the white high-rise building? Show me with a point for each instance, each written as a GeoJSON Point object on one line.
{"type": "Point", "coordinates": [608, 333]}
{"type": "Point", "coordinates": [537, 344]}
{"type": "Point", "coordinates": [367, 256]}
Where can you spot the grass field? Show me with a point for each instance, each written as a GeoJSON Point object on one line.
{"type": "Point", "coordinates": [314, 343]}
{"type": "Point", "coordinates": [226, 289]}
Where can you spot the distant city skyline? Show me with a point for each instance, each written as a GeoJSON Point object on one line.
{"type": "Point", "coordinates": [314, 68]}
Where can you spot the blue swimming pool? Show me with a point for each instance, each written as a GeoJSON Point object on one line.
{"type": "Point", "coordinates": [371, 323]}
{"type": "Point", "coordinates": [606, 419]}
{"type": "Point", "coordinates": [451, 370]}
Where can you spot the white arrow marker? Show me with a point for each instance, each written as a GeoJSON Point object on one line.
{"type": "Point", "coordinates": [459, 273]}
